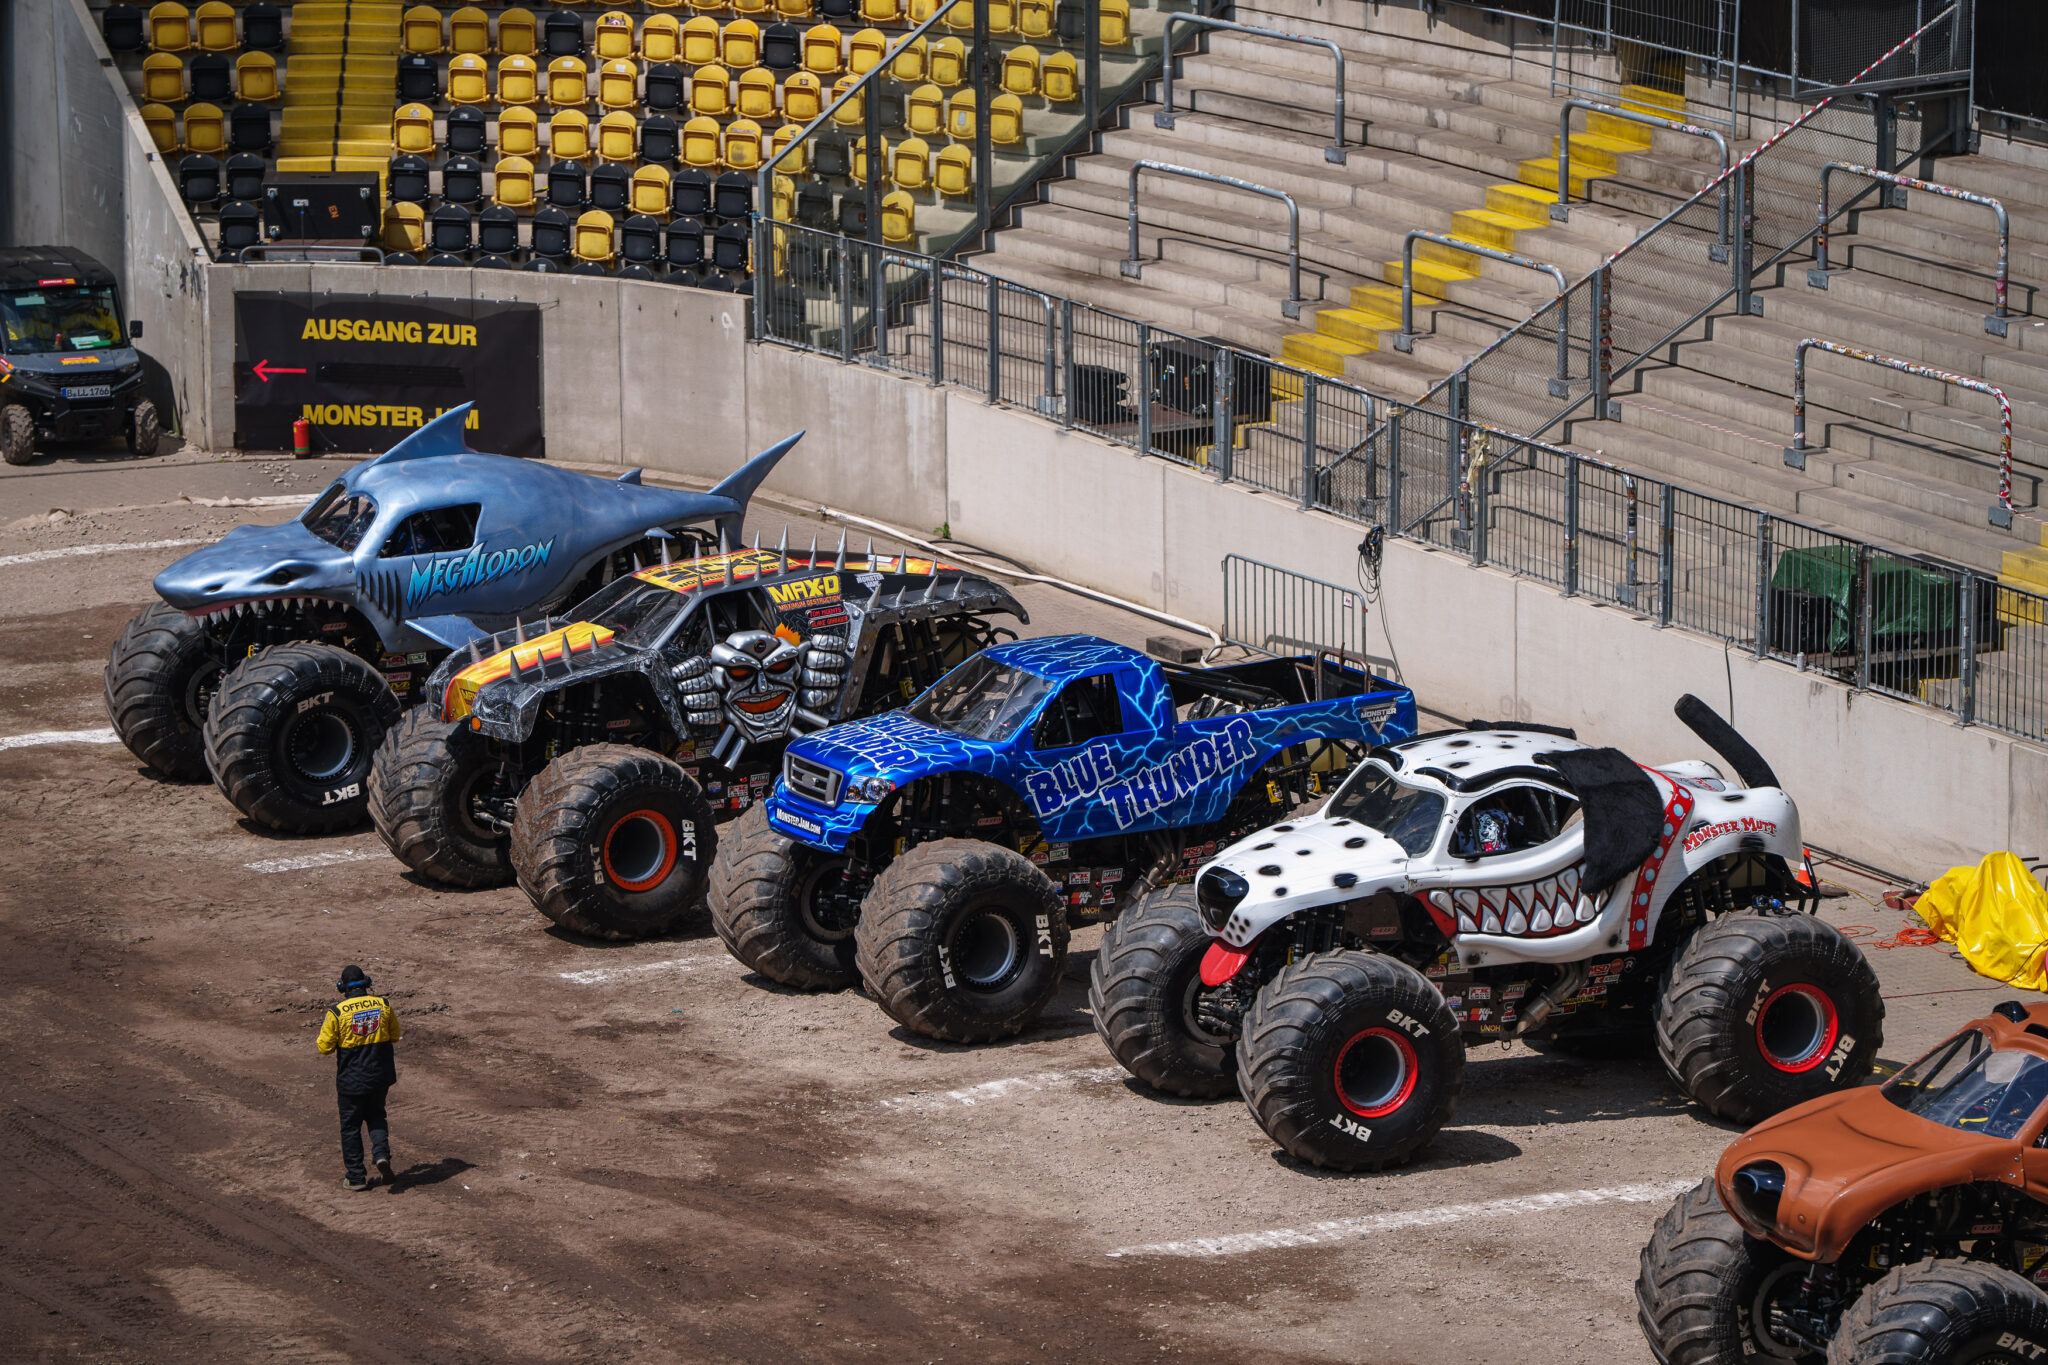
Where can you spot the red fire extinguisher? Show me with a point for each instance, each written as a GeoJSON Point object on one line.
{"type": "Point", "coordinates": [302, 438]}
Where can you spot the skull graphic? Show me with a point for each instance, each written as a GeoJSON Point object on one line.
{"type": "Point", "coordinates": [762, 684]}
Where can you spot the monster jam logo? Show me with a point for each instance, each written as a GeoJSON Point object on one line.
{"type": "Point", "coordinates": [1092, 774]}
{"type": "Point", "coordinates": [454, 573]}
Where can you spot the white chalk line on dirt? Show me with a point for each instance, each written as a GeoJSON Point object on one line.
{"type": "Point", "coordinates": [1002, 1089]}
{"type": "Point", "coordinates": [1367, 1225]}
{"type": "Point", "coordinates": [36, 737]}
{"type": "Point", "coordinates": [72, 551]}
{"type": "Point", "coordinates": [333, 858]}
{"type": "Point", "coordinates": [595, 975]}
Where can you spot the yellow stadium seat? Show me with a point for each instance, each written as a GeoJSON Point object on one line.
{"type": "Point", "coordinates": [798, 161]}
{"type": "Point", "coordinates": [1002, 16]}
{"type": "Point", "coordinates": [614, 35]}
{"type": "Point", "coordinates": [700, 141]}
{"type": "Point", "coordinates": [1115, 22]}
{"type": "Point", "coordinates": [700, 41]}
{"type": "Point", "coordinates": [781, 197]}
{"type": "Point", "coordinates": [748, 9]}
{"type": "Point", "coordinates": [740, 148]}
{"type": "Point", "coordinates": [793, 10]}
{"type": "Point", "coordinates": [960, 115]}
{"type": "Point", "coordinates": [907, 65]}
{"type": "Point", "coordinates": [405, 228]}
{"type": "Point", "coordinates": [707, 6]}
{"type": "Point", "coordinates": [866, 50]}
{"type": "Point", "coordinates": [739, 45]}
{"type": "Point", "coordinates": [216, 25]}
{"type": "Point", "coordinates": [518, 132]}
{"type": "Point", "coordinates": [924, 111]}
{"type": "Point", "coordinates": [661, 38]}
{"type": "Point", "coordinates": [960, 16]}
{"type": "Point", "coordinates": [420, 30]}
{"type": "Point", "coordinates": [256, 77]}
{"type": "Point", "coordinates": [593, 238]}
{"type": "Point", "coordinates": [618, 137]}
{"type": "Point", "coordinates": [412, 129]}
{"type": "Point", "coordinates": [163, 78]}
{"type": "Point", "coordinates": [569, 135]}
{"type": "Point", "coordinates": [1059, 80]}
{"type": "Point", "coordinates": [954, 175]}
{"type": "Point", "coordinates": [1035, 19]}
{"type": "Point", "coordinates": [910, 165]}
{"type": "Point", "coordinates": [947, 65]}
{"type": "Point", "coordinates": [512, 182]}
{"type": "Point", "coordinates": [518, 33]}
{"type": "Point", "coordinates": [921, 10]}
{"type": "Point", "coordinates": [881, 11]}
{"type": "Point", "coordinates": [711, 91]}
{"type": "Point", "coordinates": [803, 97]}
{"type": "Point", "coordinates": [1006, 120]}
{"type": "Point", "coordinates": [568, 83]}
{"type": "Point", "coordinates": [665, 4]}
{"type": "Point", "coordinates": [853, 113]}
{"type": "Point", "coordinates": [467, 83]}
{"type": "Point", "coordinates": [1020, 70]}
{"type": "Point", "coordinates": [821, 50]}
{"type": "Point", "coordinates": [899, 217]}
{"type": "Point", "coordinates": [618, 84]}
{"type": "Point", "coordinates": [469, 30]}
{"type": "Point", "coordinates": [162, 122]}
{"type": "Point", "coordinates": [757, 95]}
{"type": "Point", "coordinates": [170, 27]}
{"type": "Point", "coordinates": [206, 129]}
{"type": "Point", "coordinates": [649, 193]}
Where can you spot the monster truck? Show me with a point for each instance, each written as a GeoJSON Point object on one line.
{"type": "Point", "coordinates": [1903, 1223]}
{"type": "Point", "coordinates": [591, 756]}
{"type": "Point", "coordinates": [1500, 882]}
{"type": "Point", "coordinates": [280, 654]}
{"type": "Point", "coordinates": [943, 852]}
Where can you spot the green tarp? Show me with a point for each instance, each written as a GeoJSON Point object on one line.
{"type": "Point", "coordinates": [1910, 606]}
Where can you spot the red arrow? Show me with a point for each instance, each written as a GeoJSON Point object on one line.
{"type": "Point", "coordinates": [264, 369]}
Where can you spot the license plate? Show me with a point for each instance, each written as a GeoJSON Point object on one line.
{"type": "Point", "coordinates": [90, 391]}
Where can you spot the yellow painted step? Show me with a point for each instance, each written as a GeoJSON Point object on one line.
{"type": "Point", "coordinates": [1489, 228]}
{"type": "Point", "coordinates": [1349, 324]}
{"type": "Point", "coordinates": [2026, 569]}
{"type": "Point", "coordinates": [1379, 300]}
{"type": "Point", "coordinates": [1526, 202]}
{"type": "Point", "coordinates": [361, 146]}
{"type": "Point", "coordinates": [1597, 153]}
{"type": "Point", "coordinates": [1448, 256]}
{"type": "Point", "coordinates": [1635, 136]}
{"type": "Point", "coordinates": [1648, 100]}
{"type": "Point", "coordinates": [1541, 172]}
{"type": "Point", "coordinates": [1432, 278]}
{"type": "Point", "coordinates": [302, 164]}
{"type": "Point", "coordinates": [1314, 351]}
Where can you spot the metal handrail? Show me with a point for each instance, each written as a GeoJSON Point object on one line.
{"type": "Point", "coordinates": [1333, 153]}
{"type": "Point", "coordinates": [1795, 454]}
{"type": "Point", "coordinates": [1995, 324]}
{"type": "Point", "coordinates": [1131, 267]}
{"type": "Point", "coordinates": [1561, 210]}
{"type": "Point", "coordinates": [1405, 341]}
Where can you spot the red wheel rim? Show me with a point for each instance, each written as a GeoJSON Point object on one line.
{"type": "Point", "coordinates": [640, 850]}
{"type": "Point", "coordinates": [1796, 1028]}
{"type": "Point", "coordinates": [1375, 1072]}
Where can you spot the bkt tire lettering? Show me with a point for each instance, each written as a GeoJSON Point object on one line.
{"type": "Point", "coordinates": [1349, 1128]}
{"type": "Point", "coordinates": [2019, 1345]}
{"type": "Point", "coordinates": [1414, 1027]}
{"type": "Point", "coordinates": [309, 703]}
{"type": "Point", "coordinates": [1756, 1006]}
{"type": "Point", "coordinates": [340, 794]}
{"type": "Point", "coordinates": [1840, 1055]}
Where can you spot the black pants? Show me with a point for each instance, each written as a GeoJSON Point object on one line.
{"type": "Point", "coordinates": [357, 1110]}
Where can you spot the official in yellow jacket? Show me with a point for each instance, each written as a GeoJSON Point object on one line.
{"type": "Point", "coordinates": [359, 1030]}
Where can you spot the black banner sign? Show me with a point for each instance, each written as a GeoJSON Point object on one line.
{"type": "Point", "coordinates": [367, 369]}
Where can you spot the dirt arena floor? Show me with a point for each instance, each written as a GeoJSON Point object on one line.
{"type": "Point", "coordinates": [641, 1152]}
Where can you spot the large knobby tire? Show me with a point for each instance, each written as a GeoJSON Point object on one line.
{"type": "Point", "coordinates": [142, 430]}
{"type": "Point", "coordinates": [962, 941]}
{"type": "Point", "coordinates": [424, 785]}
{"type": "Point", "coordinates": [785, 910]}
{"type": "Point", "coordinates": [160, 678]}
{"type": "Point", "coordinates": [1765, 1009]}
{"type": "Point", "coordinates": [611, 841]}
{"type": "Point", "coordinates": [17, 434]}
{"type": "Point", "coordinates": [1944, 1313]}
{"type": "Point", "coordinates": [1702, 1282]}
{"type": "Point", "coordinates": [1145, 991]}
{"type": "Point", "coordinates": [291, 735]}
{"type": "Point", "coordinates": [1350, 1060]}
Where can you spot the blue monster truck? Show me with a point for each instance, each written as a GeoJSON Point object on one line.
{"type": "Point", "coordinates": [280, 655]}
{"type": "Point", "coordinates": [942, 852]}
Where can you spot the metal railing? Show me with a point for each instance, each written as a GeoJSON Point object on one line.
{"type": "Point", "coordinates": [1795, 454]}
{"type": "Point", "coordinates": [1132, 266]}
{"type": "Point", "coordinates": [1405, 341]}
{"type": "Point", "coordinates": [1561, 210]}
{"type": "Point", "coordinates": [1334, 153]}
{"type": "Point", "coordinates": [1277, 611]}
{"type": "Point", "coordinates": [1995, 324]}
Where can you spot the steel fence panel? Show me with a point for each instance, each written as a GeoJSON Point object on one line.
{"type": "Point", "coordinates": [1277, 611]}
{"type": "Point", "coordinates": [2011, 663]}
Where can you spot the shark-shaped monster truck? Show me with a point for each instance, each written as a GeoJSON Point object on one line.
{"type": "Point", "coordinates": [280, 655]}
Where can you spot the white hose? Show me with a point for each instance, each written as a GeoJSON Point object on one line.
{"type": "Point", "coordinates": [897, 533]}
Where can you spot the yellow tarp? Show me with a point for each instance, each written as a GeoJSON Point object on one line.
{"type": "Point", "coordinates": [1997, 916]}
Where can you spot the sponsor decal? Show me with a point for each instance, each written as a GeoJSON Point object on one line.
{"type": "Point", "coordinates": [456, 573]}
{"type": "Point", "coordinates": [822, 617]}
{"type": "Point", "coordinates": [1708, 833]}
{"type": "Point", "coordinates": [1481, 992]}
{"type": "Point", "coordinates": [794, 821]}
{"type": "Point", "coordinates": [824, 588]}
{"type": "Point", "coordinates": [364, 1023]}
{"type": "Point", "coordinates": [1133, 796]}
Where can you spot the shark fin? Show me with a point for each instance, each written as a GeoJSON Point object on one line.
{"type": "Point", "coordinates": [442, 436]}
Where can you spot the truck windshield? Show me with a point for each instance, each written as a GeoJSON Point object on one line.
{"type": "Point", "coordinates": [636, 611]}
{"type": "Point", "coordinates": [59, 318]}
{"type": "Point", "coordinates": [982, 699]}
{"type": "Point", "coordinates": [1968, 1085]}
{"type": "Point", "coordinates": [1376, 799]}
{"type": "Point", "coordinates": [339, 520]}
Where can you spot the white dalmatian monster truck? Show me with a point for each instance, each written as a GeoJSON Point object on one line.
{"type": "Point", "coordinates": [1501, 882]}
